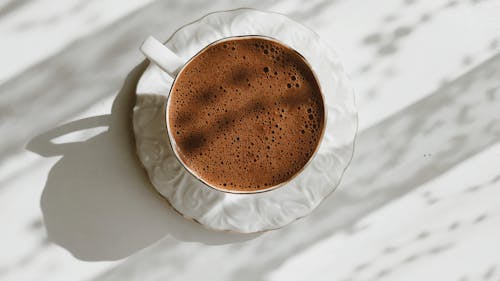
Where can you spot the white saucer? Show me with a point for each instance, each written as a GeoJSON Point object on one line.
{"type": "Point", "coordinates": [246, 212]}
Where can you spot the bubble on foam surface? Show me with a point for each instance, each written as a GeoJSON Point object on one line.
{"type": "Point", "coordinates": [253, 113]}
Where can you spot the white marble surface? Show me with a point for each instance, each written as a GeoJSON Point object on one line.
{"type": "Point", "coordinates": [419, 201]}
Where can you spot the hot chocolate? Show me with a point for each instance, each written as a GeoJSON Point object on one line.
{"type": "Point", "coordinates": [246, 114]}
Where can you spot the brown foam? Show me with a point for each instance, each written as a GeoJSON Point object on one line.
{"type": "Point", "coordinates": [246, 113]}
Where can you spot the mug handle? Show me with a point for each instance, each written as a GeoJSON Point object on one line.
{"type": "Point", "coordinates": [162, 56]}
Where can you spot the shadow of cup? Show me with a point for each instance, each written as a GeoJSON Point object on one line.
{"type": "Point", "coordinates": [98, 202]}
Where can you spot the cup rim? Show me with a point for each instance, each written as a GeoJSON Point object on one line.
{"type": "Point", "coordinates": [173, 144]}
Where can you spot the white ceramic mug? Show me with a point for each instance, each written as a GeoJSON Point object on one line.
{"type": "Point", "coordinates": [172, 64]}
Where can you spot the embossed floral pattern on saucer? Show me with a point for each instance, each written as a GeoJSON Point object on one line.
{"type": "Point", "coordinates": [246, 213]}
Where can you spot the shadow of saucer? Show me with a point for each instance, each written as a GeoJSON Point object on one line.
{"type": "Point", "coordinates": [98, 202]}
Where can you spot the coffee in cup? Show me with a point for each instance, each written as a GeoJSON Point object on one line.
{"type": "Point", "coordinates": [245, 114]}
